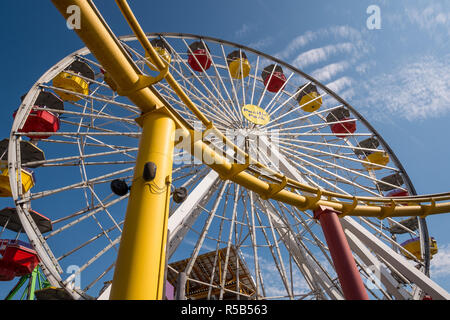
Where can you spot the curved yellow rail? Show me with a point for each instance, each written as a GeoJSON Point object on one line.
{"type": "Point", "coordinates": [106, 48]}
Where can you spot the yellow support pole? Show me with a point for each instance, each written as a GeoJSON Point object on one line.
{"type": "Point", "coordinates": [140, 266]}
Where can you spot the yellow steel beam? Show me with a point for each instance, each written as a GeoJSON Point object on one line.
{"type": "Point", "coordinates": [140, 265]}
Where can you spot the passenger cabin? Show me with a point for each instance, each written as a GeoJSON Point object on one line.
{"type": "Point", "coordinates": [392, 186]}
{"type": "Point", "coordinates": [238, 64]}
{"type": "Point", "coordinates": [9, 219]}
{"type": "Point", "coordinates": [75, 78]}
{"type": "Point", "coordinates": [198, 56]}
{"type": "Point", "coordinates": [340, 122]}
{"type": "Point", "coordinates": [46, 119]}
{"type": "Point", "coordinates": [273, 77]}
{"type": "Point", "coordinates": [30, 157]}
{"type": "Point", "coordinates": [27, 180]}
{"type": "Point", "coordinates": [18, 259]}
{"type": "Point", "coordinates": [404, 226]}
{"type": "Point", "coordinates": [163, 50]}
{"type": "Point", "coordinates": [374, 159]}
{"type": "Point", "coordinates": [309, 98]}
{"type": "Point", "coordinates": [390, 182]}
{"type": "Point", "coordinates": [413, 247]}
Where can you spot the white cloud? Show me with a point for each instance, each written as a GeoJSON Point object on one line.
{"type": "Point", "coordinates": [340, 84]}
{"type": "Point", "coordinates": [303, 40]}
{"type": "Point", "coordinates": [363, 67]}
{"type": "Point", "coordinates": [262, 43]}
{"type": "Point", "coordinates": [440, 264]}
{"type": "Point", "coordinates": [429, 18]}
{"type": "Point", "coordinates": [417, 90]}
{"type": "Point", "coordinates": [329, 71]}
{"type": "Point", "coordinates": [244, 30]}
{"type": "Point", "coordinates": [317, 55]}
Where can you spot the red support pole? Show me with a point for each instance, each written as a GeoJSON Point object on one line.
{"type": "Point", "coordinates": [344, 263]}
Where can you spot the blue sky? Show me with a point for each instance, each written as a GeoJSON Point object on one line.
{"type": "Point", "coordinates": [398, 77]}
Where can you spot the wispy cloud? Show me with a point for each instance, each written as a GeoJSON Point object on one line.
{"type": "Point", "coordinates": [262, 43]}
{"type": "Point", "coordinates": [440, 265]}
{"type": "Point", "coordinates": [317, 55]}
{"type": "Point", "coordinates": [329, 71]}
{"type": "Point", "coordinates": [431, 18]}
{"type": "Point", "coordinates": [243, 30]}
{"type": "Point", "coordinates": [340, 84]}
{"type": "Point", "coordinates": [417, 90]}
{"type": "Point", "coordinates": [338, 32]}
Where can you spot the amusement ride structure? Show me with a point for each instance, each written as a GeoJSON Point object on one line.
{"type": "Point", "coordinates": [241, 177]}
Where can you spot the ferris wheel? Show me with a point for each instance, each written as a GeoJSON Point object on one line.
{"type": "Point", "coordinates": [74, 145]}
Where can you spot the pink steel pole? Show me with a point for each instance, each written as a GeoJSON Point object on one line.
{"type": "Point", "coordinates": [344, 263]}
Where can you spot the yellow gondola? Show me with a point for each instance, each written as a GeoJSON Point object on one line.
{"type": "Point", "coordinates": [75, 79]}
{"type": "Point", "coordinates": [5, 188]}
{"type": "Point", "coordinates": [413, 247]}
{"type": "Point", "coordinates": [163, 51]}
{"type": "Point", "coordinates": [238, 64]}
{"type": "Point", "coordinates": [309, 98]}
{"type": "Point", "coordinates": [373, 159]}
{"type": "Point", "coordinates": [376, 159]}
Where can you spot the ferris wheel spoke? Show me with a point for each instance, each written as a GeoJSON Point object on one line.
{"type": "Point", "coordinates": [84, 213]}
{"type": "Point", "coordinates": [78, 157]}
{"type": "Point", "coordinates": [202, 108]}
{"type": "Point", "coordinates": [82, 184]}
{"type": "Point", "coordinates": [204, 231]}
{"type": "Point", "coordinates": [295, 154]}
{"type": "Point", "coordinates": [99, 277]}
{"type": "Point", "coordinates": [86, 243]}
{"type": "Point", "coordinates": [314, 275]}
{"type": "Point", "coordinates": [251, 225]}
{"type": "Point", "coordinates": [277, 97]}
{"type": "Point", "coordinates": [106, 210]}
{"type": "Point", "coordinates": [212, 104]}
{"type": "Point", "coordinates": [92, 260]}
{"type": "Point", "coordinates": [88, 98]}
{"type": "Point", "coordinates": [229, 242]}
{"type": "Point", "coordinates": [331, 155]}
{"type": "Point", "coordinates": [233, 89]}
{"type": "Point", "coordinates": [219, 98]}
{"type": "Point", "coordinates": [254, 80]}
{"type": "Point", "coordinates": [234, 109]}
{"type": "Point", "coordinates": [277, 258]}
{"type": "Point", "coordinates": [292, 97]}
{"type": "Point", "coordinates": [297, 215]}
{"type": "Point", "coordinates": [217, 254]}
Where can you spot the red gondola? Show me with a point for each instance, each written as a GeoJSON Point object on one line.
{"type": "Point", "coordinates": [340, 122]}
{"type": "Point", "coordinates": [198, 56]}
{"type": "Point", "coordinates": [273, 77]}
{"type": "Point", "coordinates": [18, 259]}
{"type": "Point", "coordinates": [397, 193]}
{"type": "Point", "coordinates": [43, 120]}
